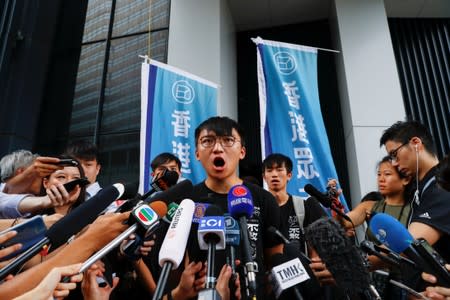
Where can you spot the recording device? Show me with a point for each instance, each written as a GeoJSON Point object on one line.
{"type": "Point", "coordinates": [167, 179]}
{"type": "Point", "coordinates": [28, 234]}
{"type": "Point", "coordinates": [341, 256]}
{"type": "Point", "coordinates": [389, 257]}
{"type": "Point", "coordinates": [211, 237]}
{"type": "Point", "coordinates": [147, 220]}
{"type": "Point", "coordinates": [70, 186]}
{"type": "Point", "coordinates": [144, 216]}
{"type": "Point", "coordinates": [240, 206]}
{"type": "Point", "coordinates": [325, 200]}
{"type": "Point", "coordinates": [174, 244]}
{"type": "Point", "coordinates": [408, 289]}
{"type": "Point", "coordinates": [391, 232]}
{"type": "Point", "coordinates": [67, 162]}
{"type": "Point", "coordinates": [171, 209]}
{"type": "Point", "coordinates": [286, 275]}
{"type": "Point", "coordinates": [71, 224]}
{"type": "Point", "coordinates": [291, 248]}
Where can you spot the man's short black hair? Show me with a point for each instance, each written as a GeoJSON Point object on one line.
{"type": "Point", "coordinates": [443, 173]}
{"type": "Point", "coordinates": [387, 158]}
{"type": "Point", "coordinates": [222, 126]}
{"type": "Point", "coordinates": [403, 131]}
{"type": "Point", "coordinates": [163, 158]}
{"type": "Point", "coordinates": [82, 149]}
{"type": "Point", "coordinates": [277, 160]}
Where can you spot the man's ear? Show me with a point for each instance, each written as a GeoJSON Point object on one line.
{"type": "Point", "coordinates": [197, 156]}
{"type": "Point", "coordinates": [289, 176]}
{"type": "Point", "coordinates": [243, 152]}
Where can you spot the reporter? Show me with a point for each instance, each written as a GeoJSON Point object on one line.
{"type": "Point", "coordinates": [435, 292]}
{"type": "Point", "coordinates": [91, 289]}
{"type": "Point", "coordinates": [51, 287]}
{"type": "Point", "coordinates": [104, 229]}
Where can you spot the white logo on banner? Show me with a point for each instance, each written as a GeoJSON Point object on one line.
{"type": "Point", "coordinates": [183, 92]}
{"type": "Point", "coordinates": [285, 62]}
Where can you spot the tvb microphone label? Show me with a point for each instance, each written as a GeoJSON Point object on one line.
{"type": "Point", "coordinates": [145, 215]}
{"type": "Point", "coordinates": [290, 273]}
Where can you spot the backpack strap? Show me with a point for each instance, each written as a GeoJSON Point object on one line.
{"type": "Point", "coordinates": [299, 207]}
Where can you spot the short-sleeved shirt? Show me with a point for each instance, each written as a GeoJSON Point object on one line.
{"type": "Point", "coordinates": [433, 209]}
{"type": "Point", "coordinates": [289, 225]}
{"type": "Point", "coordinates": [266, 214]}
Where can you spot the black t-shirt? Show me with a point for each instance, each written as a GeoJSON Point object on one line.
{"type": "Point", "coordinates": [289, 225]}
{"type": "Point", "coordinates": [433, 209]}
{"type": "Point", "coordinates": [266, 213]}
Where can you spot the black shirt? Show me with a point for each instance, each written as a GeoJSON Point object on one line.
{"type": "Point", "coordinates": [433, 209]}
{"type": "Point", "coordinates": [266, 213]}
{"type": "Point", "coordinates": [290, 227]}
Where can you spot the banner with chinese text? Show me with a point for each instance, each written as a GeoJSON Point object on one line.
{"type": "Point", "coordinates": [173, 104]}
{"type": "Point", "coordinates": [291, 120]}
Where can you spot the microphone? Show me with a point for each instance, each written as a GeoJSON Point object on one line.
{"type": "Point", "coordinates": [240, 206]}
{"type": "Point", "coordinates": [71, 224]}
{"type": "Point", "coordinates": [167, 179]}
{"type": "Point", "coordinates": [177, 193]}
{"type": "Point", "coordinates": [232, 239]}
{"type": "Point", "coordinates": [286, 275]}
{"type": "Point", "coordinates": [211, 237]}
{"type": "Point", "coordinates": [278, 233]}
{"type": "Point", "coordinates": [144, 216]}
{"type": "Point", "coordinates": [171, 209]}
{"type": "Point", "coordinates": [340, 255]}
{"type": "Point", "coordinates": [393, 234]}
{"type": "Point", "coordinates": [174, 244]}
{"type": "Point", "coordinates": [325, 200]}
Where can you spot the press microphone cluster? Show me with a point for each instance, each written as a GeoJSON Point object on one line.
{"type": "Point", "coordinates": [394, 235]}
{"type": "Point", "coordinates": [71, 224]}
{"type": "Point", "coordinates": [240, 207]}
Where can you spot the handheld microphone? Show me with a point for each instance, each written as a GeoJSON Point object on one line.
{"type": "Point", "coordinates": [171, 209]}
{"type": "Point", "coordinates": [392, 233]}
{"type": "Point", "coordinates": [71, 224]}
{"type": "Point", "coordinates": [240, 206]}
{"type": "Point", "coordinates": [325, 200]}
{"type": "Point", "coordinates": [340, 255]}
{"type": "Point", "coordinates": [211, 237]}
{"type": "Point", "coordinates": [177, 193]}
{"type": "Point", "coordinates": [174, 244]}
{"type": "Point", "coordinates": [232, 239]}
{"type": "Point", "coordinates": [286, 275]}
{"type": "Point", "coordinates": [167, 179]}
{"type": "Point", "coordinates": [147, 220]}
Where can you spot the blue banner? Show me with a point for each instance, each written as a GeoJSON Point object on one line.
{"type": "Point", "coordinates": [291, 120]}
{"type": "Point", "coordinates": [173, 104]}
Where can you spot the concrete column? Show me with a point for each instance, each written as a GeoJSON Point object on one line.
{"type": "Point", "coordinates": [369, 86]}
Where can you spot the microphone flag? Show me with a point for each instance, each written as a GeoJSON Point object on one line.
{"type": "Point", "coordinates": [173, 103]}
{"type": "Point", "coordinates": [290, 115]}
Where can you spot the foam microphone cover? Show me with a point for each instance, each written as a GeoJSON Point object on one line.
{"type": "Point", "coordinates": [176, 193]}
{"type": "Point", "coordinates": [240, 203]}
{"type": "Point", "coordinates": [323, 199]}
{"type": "Point", "coordinates": [83, 215]}
{"type": "Point", "coordinates": [174, 244]}
{"type": "Point", "coordinates": [340, 255]}
{"type": "Point", "coordinates": [159, 207]}
{"type": "Point", "coordinates": [389, 231]}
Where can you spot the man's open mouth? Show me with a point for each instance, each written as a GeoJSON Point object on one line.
{"type": "Point", "coordinates": [219, 162]}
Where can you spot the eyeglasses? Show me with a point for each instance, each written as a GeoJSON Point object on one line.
{"type": "Point", "coordinates": [393, 153]}
{"type": "Point", "coordinates": [211, 140]}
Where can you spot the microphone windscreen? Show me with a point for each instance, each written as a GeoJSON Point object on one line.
{"type": "Point", "coordinates": [240, 203]}
{"type": "Point", "coordinates": [176, 193]}
{"type": "Point", "coordinates": [390, 232]}
{"type": "Point", "coordinates": [130, 191]}
{"type": "Point", "coordinates": [339, 254]}
{"type": "Point", "coordinates": [83, 215]}
{"type": "Point", "coordinates": [311, 190]}
{"type": "Point", "coordinates": [174, 244]}
{"type": "Point", "coordinates": [159, 207]}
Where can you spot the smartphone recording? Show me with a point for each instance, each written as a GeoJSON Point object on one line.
{"type": "Point", "coordinates": [69, 186]}
{"type": "Point", "coordinates": [67, 162]}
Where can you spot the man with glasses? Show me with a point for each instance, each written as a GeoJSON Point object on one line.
{"type": "Point", "coordinates": [411, 148]}
{"type": "Point", "coordinates": [220, 145]}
